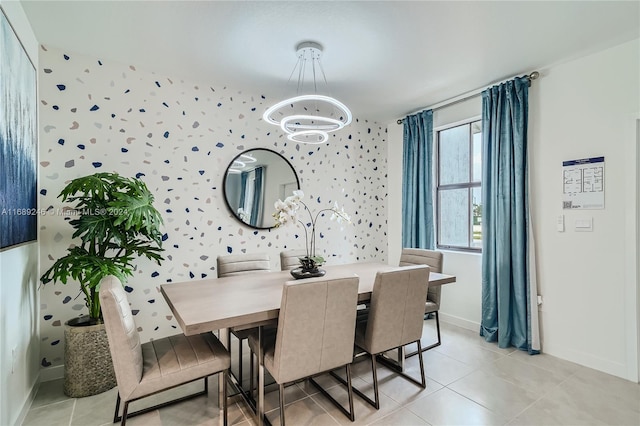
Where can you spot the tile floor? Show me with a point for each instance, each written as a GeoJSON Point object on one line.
{"type": "Point", "coordinates": [469, 382]}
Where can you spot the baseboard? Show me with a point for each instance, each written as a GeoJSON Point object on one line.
{"type": "Point", "coordinates": [27, 403]}
{"type": "Point", "coordinates": [51, 373]}
{"type": "Point", "coordinates": [588, 360]}
{"type": "Point", "coordinates": [460, 322]}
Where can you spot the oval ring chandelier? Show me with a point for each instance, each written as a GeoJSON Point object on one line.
{"type": "Point", "coordinates": [308, 118]}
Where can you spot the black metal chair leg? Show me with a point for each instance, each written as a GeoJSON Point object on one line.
{"type": "Point", "coordinates": [240, 361]}
{"type": "Point", "coordinates": [115, 415]}
{"type": "Point", "coordinates": [438, 343]}
{"type": "Point", "coordinates": [224, 398]}
{"type": "Point", "coordinates": [123, 421]}
{"type": "Point", "coordinates": [352, 414]}
{"type": "Point", "coordinates": [281, 393]}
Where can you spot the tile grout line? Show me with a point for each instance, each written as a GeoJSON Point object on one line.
{"type": "Point", "coordinates": [73, 411]}
{"type": "Point", "coordinates": [544, 394]}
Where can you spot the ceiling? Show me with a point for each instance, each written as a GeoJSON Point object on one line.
{"type": "Point", "coordinates": [382, 59]}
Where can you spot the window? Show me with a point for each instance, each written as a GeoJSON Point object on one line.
{"type": "Point", "coordinates": [458, 187]}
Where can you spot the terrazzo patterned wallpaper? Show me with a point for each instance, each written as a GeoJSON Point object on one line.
{"type": "Point", "coordinates": [179, 136]}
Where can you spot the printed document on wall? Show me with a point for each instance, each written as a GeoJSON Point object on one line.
{"type": "Point", "coordinates": [583, 183]}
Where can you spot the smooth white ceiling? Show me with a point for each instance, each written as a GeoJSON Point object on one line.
{"type": "Point", "coordinates": [382, 59]}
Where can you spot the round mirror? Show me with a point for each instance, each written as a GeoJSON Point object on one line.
{"type": "Point", "coordinates": [253, 182]}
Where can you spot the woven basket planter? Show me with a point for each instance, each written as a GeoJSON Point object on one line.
{"type": "Point", "coordinates": [88, 369]}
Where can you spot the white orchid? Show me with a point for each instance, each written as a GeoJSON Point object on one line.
{"type": "Point", "coordinates": [287, 212]}
{"type": "Point", "coordinates": [338, 214]}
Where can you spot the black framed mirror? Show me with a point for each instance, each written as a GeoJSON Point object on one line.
{"type": "Point", "coordinates": [253, 181]}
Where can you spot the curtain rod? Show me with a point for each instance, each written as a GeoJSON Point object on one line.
{"type": "Point", "coordinates": [532, 76]}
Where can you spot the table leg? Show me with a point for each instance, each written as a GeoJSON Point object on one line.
{"type": "Point", "coordinates": [260, 405]}
{"type": "Point", "coordinates": [225, 339]}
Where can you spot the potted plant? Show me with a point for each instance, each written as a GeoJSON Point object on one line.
{"type": "Point", "coordinates": [288, 212]}
{"type": "Point", "coordinates": [116, 222]}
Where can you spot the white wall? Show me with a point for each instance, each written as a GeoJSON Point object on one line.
{"type": "Point", "coordinates": [180, 136]}
{"type": "Point", "coordinates": [19, 298]}
{"type": "Point", "coordinates": [583, 108]}
{"type": "Point", "coordinates": [586, 108]}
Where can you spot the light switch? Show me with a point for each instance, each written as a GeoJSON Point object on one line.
{"type": "Point", "coordinates": [560, 223]}
{"type": "Point", "coordinates": [584, 224]}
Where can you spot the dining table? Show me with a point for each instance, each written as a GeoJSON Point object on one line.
{"type": "Point", "coordinates": [252, 301]}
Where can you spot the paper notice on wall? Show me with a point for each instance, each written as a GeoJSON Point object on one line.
{"type": "Point", "coordinates": [583, 183]}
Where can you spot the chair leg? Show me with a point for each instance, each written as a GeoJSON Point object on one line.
{"type": "Point", "coordinates": [240, 361]}
{"type": "Point", "coordinates": [352, 414]}
{"type": "Point", "coordinates": [251, 374]}
{"type": "Point", "coordinates": [350, 390]}
{"type": "Point", "coordinates": [374, 402]}
{"type": "Point", "coordinates": [281, 393]}
{"type": "Point", "coordinates": [115, 415]}
{"type": "Point", "coordinates": [438, 343]}
{"type": "Point", "coordinates": [222, 400]}
{"type": "Point", "coordinates": [123, 421]}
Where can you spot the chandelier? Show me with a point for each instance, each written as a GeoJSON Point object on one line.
{"type": "Point", "coordinates": [308, 118]}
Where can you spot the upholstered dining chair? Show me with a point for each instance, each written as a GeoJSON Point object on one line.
{"type": "Point", "coordinates": [434, 259]}
{"type": "Point", "coordinates": [395, 319]}
{"type": "Point", "coordinates": [315, 334]}
{"type": "Point", "coordinates": [241, 264]}
{"type": "Point", "coordinates": [289, 259]}
{"type": "Point", "coordinates": [149, 368]}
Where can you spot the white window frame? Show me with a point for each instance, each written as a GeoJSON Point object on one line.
{"type": "Point", "coordinates": [469, 185]}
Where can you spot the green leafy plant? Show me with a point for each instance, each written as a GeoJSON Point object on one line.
{"type": "Point", "coordinates": [117, 223]}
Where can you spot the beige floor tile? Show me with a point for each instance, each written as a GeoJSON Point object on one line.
{"type": "Point", "coordinates": [305, 411]}
{"type": "Point", "coordinates": [292, 393]}
{"type": "Point", "coordinates": [95, 410]}
{"type": "Point", "coordinates": [609, 399]}
{"type": "Point", "coordinates": [446, 407]}
{"type": "Point", "coordinates": [402, 417]}
{"type": "Point", "coordinates": [442, 368]}
{"type": "Point", "coordinates": [557, 366]}
{"type": "Point", "coordinates": [524, 375]}
{"type": "Point", "coordinates": [199, 411]}
{"type": "Point", "coordinates": [403, 391]}
{"type": "Point", "coordinates": [58, 413]}
{"type": "Point", "coordinates": [552, 412]}
{"type": "Point", "coordinates": [364, 413]}
{"type": "Point", "coordinates": [468, 352]}
{"type": "Point", "coordinates": [494, 393]}
{"type": "Point", "coordinates": [49, 392]}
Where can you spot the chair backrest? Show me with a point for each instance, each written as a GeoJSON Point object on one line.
{"type": "Point", "coordinates": [316, 327]}
{"type": "Point", "coordinates": [124, 341]}
{"type": "Point", "coordinates": [396, 314]}
{"type": "Point", "coordinates": [239, 264]}
{"type": "Point", "coordinates": [434, 259]}
{"type": "Point", "coordinates": [290, 259]}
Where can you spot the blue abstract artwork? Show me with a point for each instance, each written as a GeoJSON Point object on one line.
{"type": "Point", "coordinates": [18, 141]}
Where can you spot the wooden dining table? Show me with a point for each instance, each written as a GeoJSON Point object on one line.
{"type": "Point", "coordinates": [253, 300]}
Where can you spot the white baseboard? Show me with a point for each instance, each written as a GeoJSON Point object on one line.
{"type": "Point", "coordinates": [460, 322]}
{"type": "Point", "coordinates": [589, 360]}
{"type": "Point", "coordinates": [27, 403]}
{"type": "Point", "coordinates": [51, 373]}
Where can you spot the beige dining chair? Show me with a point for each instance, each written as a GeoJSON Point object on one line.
{"type": "Point", "coordinates": [146, 369]}
{"type": "Point", "coordinates": [242, 264]}
{"type": "Point", "coordinates": [290, 259]}
{"type": "Point", "coordinates": [395, 319]}
{"type": "Point", "coordinates": [434, 259]}
{"type": "Point", "coordinates": [315, 334]}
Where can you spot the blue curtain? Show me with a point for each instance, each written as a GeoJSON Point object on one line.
{"type": "Point", "coordinates": [505, 257]}
{"type": "Point", "coordinates": [256, 207]}
{"type": "Point", "coordinates": [243, 189]}
{"type": "Point", "coordinates": [417, 181]}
